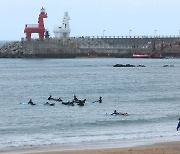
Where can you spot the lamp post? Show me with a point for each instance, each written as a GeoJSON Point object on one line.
{"type": "Point", "coordinates": [155, 31]}
{"type": "Point", "coordinates": [130, 33]}
{"type": "Point", "coordinates": [103, 32]}
{"type": "Point", "coordinates": [178, 38]}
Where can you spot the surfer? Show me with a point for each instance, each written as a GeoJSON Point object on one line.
{"type": "Point", "coordinates": [30, 102]}
{"type": "Point", "coordinates": [59, 99]}
{"type": "Point", "coordinates": [119, 113]}
{"type": "Point", "coordinates": [75, 98]}
{"type": "Point", "coordinates": [50, 97]}
{"type": "Point", "coordinates": [114, 113]}
{"type": "Point", "coordinates": [47, 103]}
{"type": "Point", "coordinates": [178, 126]}
{"type": "Point", "coordinates": [122, 113]}
{"type": "Point", "coordinates": [100, 99]}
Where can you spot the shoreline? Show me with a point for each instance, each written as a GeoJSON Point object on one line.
{"type": "Point", "coordinates": [164, 145]}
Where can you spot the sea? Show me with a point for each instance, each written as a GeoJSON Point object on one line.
{"type": "Point", "coordinates": [150, 95]}
{"type": "Point", "coordinates": [3, 42]}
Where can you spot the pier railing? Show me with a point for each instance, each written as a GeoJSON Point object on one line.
{"type": "Point", "coordinates": [143, 36]}
{"type": "Point", "coordinates": [32, 25]}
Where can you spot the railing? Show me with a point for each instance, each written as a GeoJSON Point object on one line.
{"type": "Point", "coordinates": [32, 25]}
{"type": "Point", "coordinates": [106, 39]}
{"type": "Point", "coordinates": [129, 37]}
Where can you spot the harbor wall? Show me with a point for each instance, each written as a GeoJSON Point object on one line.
{"type": "Point", "coordinates": [96, 47]}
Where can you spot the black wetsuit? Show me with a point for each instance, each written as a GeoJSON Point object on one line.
{"type": "Point", "coordinates": [115, 113]}
{"type": "Point", "coordinates": [178, 126]}
{"type": "Point", "coordinates": [100, 100]}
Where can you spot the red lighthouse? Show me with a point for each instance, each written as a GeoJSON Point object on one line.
{"type": "Point", "coordinates": [36, 28]}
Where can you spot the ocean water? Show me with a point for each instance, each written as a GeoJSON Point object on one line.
{"type": "Point", "coordinates": [3, 42]}
{"type": "Point", "coordinates": [151, 96]}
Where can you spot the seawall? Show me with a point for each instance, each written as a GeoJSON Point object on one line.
{"type": "Point", "coordinates": [93, 47]}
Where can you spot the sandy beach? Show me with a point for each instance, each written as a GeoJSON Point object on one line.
{"type": "Point", "coordinates": [158, 148]}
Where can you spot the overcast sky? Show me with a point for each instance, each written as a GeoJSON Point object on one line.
{"type": "Point", "coordinates": [91, 17]}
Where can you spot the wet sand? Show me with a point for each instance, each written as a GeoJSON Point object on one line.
{"type": "Point", "coordinates": [158, 148]}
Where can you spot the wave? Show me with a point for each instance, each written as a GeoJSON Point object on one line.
{"type": "Point", "coordinates": [116, 121]}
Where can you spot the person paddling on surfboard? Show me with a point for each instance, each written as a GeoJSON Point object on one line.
{"type": "Point", "coordinates": [178, 126]}
{"type": "Point", "coordinates": [119, 113]}
{"type": "Point", "coordinates": [115, 113]}
{"type": "Point", "coordinates": [59, 99]}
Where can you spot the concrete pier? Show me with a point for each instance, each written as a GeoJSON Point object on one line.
{"type": "Point", "coordinates": [99, 47]}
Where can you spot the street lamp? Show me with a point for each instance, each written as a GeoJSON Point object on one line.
{"type": "Point", "coordinates": [130, 33]}
{"type": "Point", "coordinates": [155, 33]}
{"type": "Point", "coordinates": [103, 32]}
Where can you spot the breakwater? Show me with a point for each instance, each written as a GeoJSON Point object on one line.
{"type": "Point", "coordinates": [92, 47]}
{"type": "Point", "coordinates": [14, 50]}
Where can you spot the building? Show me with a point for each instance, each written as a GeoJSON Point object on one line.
{"type": "Point", "coordinates": [64, 30]}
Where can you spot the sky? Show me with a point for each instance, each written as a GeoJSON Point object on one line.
{"type": "Point", "coordinates": [93, 17]}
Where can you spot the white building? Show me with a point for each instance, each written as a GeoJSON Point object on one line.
{"type": "Point", "coordinates": [64, 30]}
